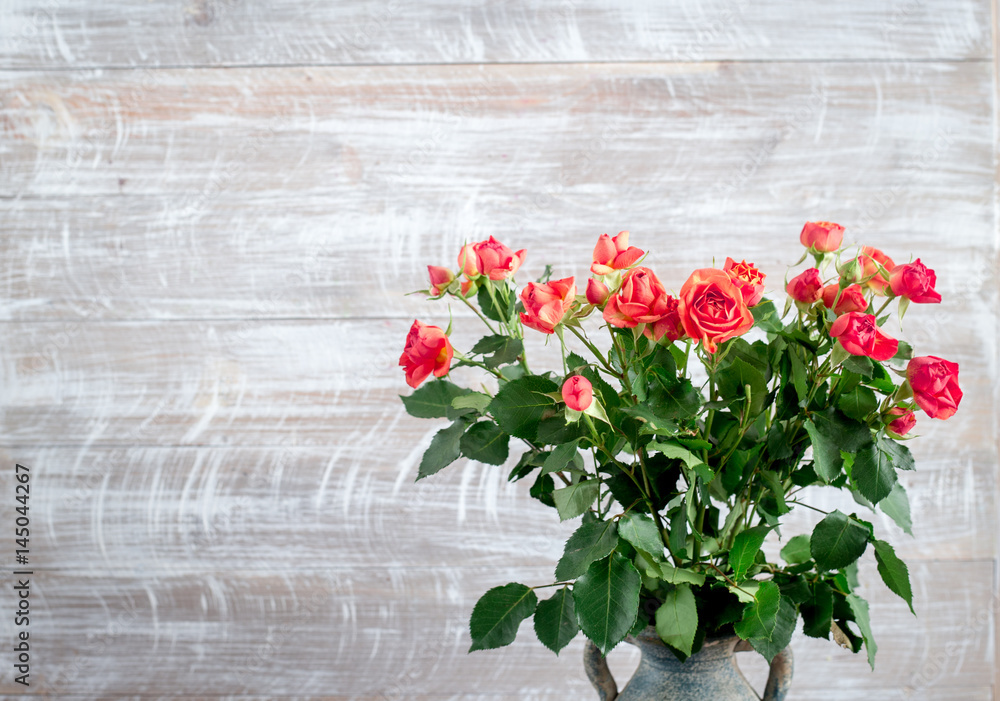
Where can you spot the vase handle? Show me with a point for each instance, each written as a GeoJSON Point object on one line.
{"type": "Point", "coordinates": [599, 674]}
{"type": "Point", "coordinates": [780, 677]}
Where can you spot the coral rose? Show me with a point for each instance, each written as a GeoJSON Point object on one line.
{"type": "Point", "coordinates": [440, 279]}
{"type": "Point", "coordinates": [712, 309]}
{"type": "Point", "coordinates": [427, 351]}
{"type": "Point", "coordinates": [748, 279]}
{"type": "Point", "coordinates": [915, 281]}
{"type": "Point", "coordinates": [903, 420]}
{"type": "Point", "coordinates": [806, 287]}
{"type": "Point", "coordinates": [467, 261]}
{"type": "Point", "coordinates": [578, 393]}
{"type": "Point", "coordinates": [640, 300]}
{"type": "Point", "coordinates": [612, 254]}
{"type": "Point", "coordinates": [597, 292]}
{"type": "Point", "coordinates": [871, 259]}
{"type": "Point", "coordinates": [858, 334]}
{"type": "Point", "coordinates": [852, 299]}
{"type": "Point", "coordinates": [495, 260]}
{"type": "Point", "coordinates": [545, 304]}
{"type": "Point", "coordinates": [822, 236]}
{"type": "Point", "coordinates": [934, 382]}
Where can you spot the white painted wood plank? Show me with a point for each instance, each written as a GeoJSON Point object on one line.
{"type": "Point", "coordinates": [75, 33]}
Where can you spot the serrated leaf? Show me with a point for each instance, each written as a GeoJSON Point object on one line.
{"type": "Point", "coordinates": [433, 400]}
{"type": "Point", "coordinates": [562, 457]}
{"type": "Point", "coordinates": [796, 551]}
{"type": "Point", "coordinates": [745, 592]}
{"type": "Point", "coordinates": [590, 542]}
{"type": "Point", "coordinates": [817, 612]}
{"type": "Point", "coordinates": [837, 541]}
{"type": "Point", "coordinates": [860, 609]}
{"type": "Point", "coordinates": [555, 621]}
{"type": "Point", "coordinates": [444, 449]}
{"type": "Point", "coordinates": [498, 350]}
{"type": "Point", "coordinates": [677, 619]}
{"type": "Point", "coordinates": [898, 453]}
{"type": "Point", "coordinates": [826, 454]}
{"type": "Point", "coordinates": [575, 499]}
{"type": "Point", "coordinates": [743, 554]}
{"type": "Point", "coordinates": [733, 379]}
{"type": "Point", "coordinates": [873, 473]}
{"type": "Point", "coordinates": [679, 575]}
{"type": "Point", "coordinates": [894, 572]}
{"type": "Point", "coordinates": [607, 600]}
{"type": "Point", "coordinates": [498, 614]}
{"type": "Point", "coordinates": [476, 401]}
{"type": "Point", "coordinates": [798, 375]}
{"type": "Point", "coordinates": [859, 403]}
{"type": "Point", "coordinates": [486, 443]}
{"type": "Point", "coordinates": [897, 507]}
{"type": "Point", "coordinates": [860, 365]}
{"type": "Point", "coordinates": [641, 532]}
{"type": "Point", "coordinates": [768, 622]}
{"type": "Point", "coordinates": [773, 483]}
{"type": "Point", "coordinates": [521, 404]}
{"type": "Point", "coordinates": [492, 303]}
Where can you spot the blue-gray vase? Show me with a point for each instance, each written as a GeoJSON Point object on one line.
{"type": "Point", "coordinates": [709, 674]}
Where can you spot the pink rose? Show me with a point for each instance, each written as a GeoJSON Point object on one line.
{"type": "Point", "coordinates": [640, 300]}
{"type": "Point", "coordinates": [427, 351]}
{"type": "Point", "coordinates": [578, 393]}
{"type": "Point", "coordinates": [822, 236]}
{"type": "Point", "coordinates": [852, 299]}
{"type": "Point", "coordinates": [915, 281]}
{"type": "Point", "coordinates": [496, 261]}
{"type": "Point", "coordinates": [440, 279]}
{"type": "Point", "coordinates": [903, 421]}
{"type": "Point", "coordinates": [934, 382]}
{"type": "Point", "coordinates": [878, 265]}
{"type": "Point", "coordinates": [545, 304]}
{"type": "Point", "coordinates": [748, 279]}
{"type": "Point", "coordinates": [597, 292]}
{"type": "Point", "coordinates": [858, 334]}
{"type": "Point", "coordinates": [805, 287]}
{"type": "Point", "coordinates": [612, 254]}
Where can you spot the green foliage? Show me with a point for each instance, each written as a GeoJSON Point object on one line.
{"type": "Point", "coordinates": [498, 350]}
{"type": "Point", "coordinates": [641, 533]}
{"type": "Point", "coordinates": [873, 473]}
{"type": "Point", "coordinates": [894, 572]}
{"type": "Point", "coordinates": [677, 619]}
{"type": "Point", "coordinates": [837, 541]}
{"type": "Point", "coordinates": [768, 621]}
{"type": "Point", "coordinates": [859, 607]}
{"type": "Point", "coordinates": [744, 551]}
{"type": "Point", "coordinates": [521, 404]}
{"type": "Point", "coordinates": [555, 620]}
{"type": "Point", "coordinates": [444, 449]}
{"type": "Point", "coordinates": [590, 542]}
{"type": "Point", "coordinates": [607, 600]}
{"type": "Point", "coordinates": [498, 614]}
{"type": "Point", "coordinates": [574, 499]}
{"type": "Point", "coordinates": [485, 442]}
{"type": "Point", "coordinates": [433, 400]}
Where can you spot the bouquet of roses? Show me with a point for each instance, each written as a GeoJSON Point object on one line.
{"type": "Point", "coordinates": [678, 474]}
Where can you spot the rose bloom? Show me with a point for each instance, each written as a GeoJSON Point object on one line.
{"type": "Point", "coordinates": [670, 325]}
{"type": "Point", "coordinates": [427, 351]}
{"type": "Point", "coordinates": [870, 259]}
{"type": "Point", "coordinates": [806, 287]}
{"type": "Point", "coordinates": [915, 281]}
{"type": "Point", "coordinates": [578, 393]}
{"type": "Point", "coordinates": [934, 382]}
{"type": "Point", "coordinates": [903, 422]}
{"type": "Point", "coordinates": [612, 254]}
{"type": "Point", "coordinates": [496, 261]}
{"type": "Point", "coordinates": [712, 309]}
{"type": "Point", "coordinates": [822, 236]}
{"type": "Point", "coordinates": [748, 279]}
{"type": "Point", "coordinates": [852, 299]}
{"type": "Point", "coordinates": [640, 300]}
{"type": "Point", "coordinates": [440, 279]}
{"type": "Point", "coordinates": [597, 292]}
{"type": "Point", "coordinates": [545, 304]}
{"type": "Point", "coordinates": [860, 335]}
{"type": "Point", "coordinates": [467, 261]}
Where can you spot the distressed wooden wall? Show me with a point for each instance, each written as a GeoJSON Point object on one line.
{"type": "Point", "coordinates": [212, 209]}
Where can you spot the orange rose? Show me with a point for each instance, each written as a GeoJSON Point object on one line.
{"type": "Point", "coordinates": [427, 351]}
{"type": "Point", "coordinates": [877, 265]}
{"type": "Point", "coordinates": [440, 279]}
{"type": "Point", "coordinates": [640, 300]}
{"type": "Point", "coordinates": [748, 279]}
{"type": "Point", "coordinates": [496, 261]}
{"type": "Point", "coordinates": [597, 292]}
{"type": "Point", "coordinates": [822, 236]}
{"type": "Point", "coordinates": [806, 287]}
{"type": "Point", "coordinates": [612, 254]}
{"type": "Point", "coordinates": [858, 334]}
{"type": "Point", "coordinates": [712, 309]}
{"type": "Point", "coordinates": [545, 304]}
{"type": "Point", "coordinates": [467, 261]}
{"type": "Point", "coordinates": [852, 299]}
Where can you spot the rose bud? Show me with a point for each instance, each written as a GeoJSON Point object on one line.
{"type": "Point", "coordinates": [858, 334]}
{"type": "Point", "coordinates": [899, 421]}
{"type": "Point", "coordinates": [915, 281]}
{"type": "Point", "coordinates": [822, 236]}
{"type": "Point", "coordinates": [712, 309]}
{"type": "Point", "coordinates": [934, 382]}
{"type": "Point", "coordinates": [578, 393]}
{"type": "Point", "coordinates": [440, 279]}
{"type": "Point", "coordinates": [852, 299]}
{"type": "Point", "coordinates": [748, 279]}
{"type": "Point", "coordinates": [545, 304]}
{"type": "Point", "coordinates": [496, 261]}
{"type": "Point", "coordinates": [467, 261]}
{"type": "Point", "coordinates": [597, 292]}
{"type": "Point", "coordinates": [641, 299]}
{"type": "Point", "coordinates": [427, 351]}
{"type": "Point", "coordinates": [468, 287]}
{"type": "Point", "coordinates": [871, 259]}
{"type": "Point", "coordinates": [806, 287]}
{"type": "Point", "coordinates": [612, 254]}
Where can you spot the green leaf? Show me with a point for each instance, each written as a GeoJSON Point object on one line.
{"type": "Point", "coordinates": [498, 614]}
{"type": "Point", "coordinates": [654, 422]}
{"type": "Point", "coordinates": [678, 452]}
{"type": "Point", "coordinates": [679, 575]}
{"type": "Point", "coordinates": [433, 400]}
{"type": "Point", "coordinates": [826, 454]}
{"type": "Point", "coordinates": [676, 400]}
{"type": "Point", "coordinates": [837, 541]}
{"type": "Point", "coordinates": [522, 403]}
{"type": "Point", "coordinates": [860, 609]}
{"type": "Point", "coordinates": [743, 554]}
{"type": "Point", "coordinates": [678, 531]}
{"type": "Point", "coordinates": [590, 542]}
{"type": "Point", "coordinates": [894, 572]}
{"type": "Point", "coordinates": [477, 401]}
{"type": "Point", "coordinates": [897, 507]}
{"type": "Point", "coordinates": [798, 375]}
{"type": "Point", "coordinates": [773, 483]}
{"type": "Point", "coordinates": [796, 551]}
{"type": "Point", "coordinates": [486, 443]}
{"type": "Point", "coordinates": [607, 600]}
{"type": "Point", "coordinates": [768, 622]}
{"type": "Point", "coordinates": [817, 612]}
{"type": "Point", "coordinates": [555, 621]}
{"type": "Point", "coordinates": [677, 619]}
{"type": "Point", "coordinates": [444, 449]}
{"type": "Point", "coordinates": [574, 500]}
{"type": "Point", "coordinates": [859, 403]}
{"type": "Point", "coordinates": [766, 317]}
{"type": "Point", "coordinates": [562, 457]}
{"type": "Point", "coordinates": [641, 532]}
{"type": "Point", "coordinates": [492, 304]}
{"type": "Point", "coordinates": [873, 473]}
{"type": "Point", "coordinates": [860, 365]}
{"type": "Point", "coordinates": [498, 350]}
{"type": "Point", "coordinates": [732, 382]}
{"type": "Point", "coordinates": [898, 453]}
